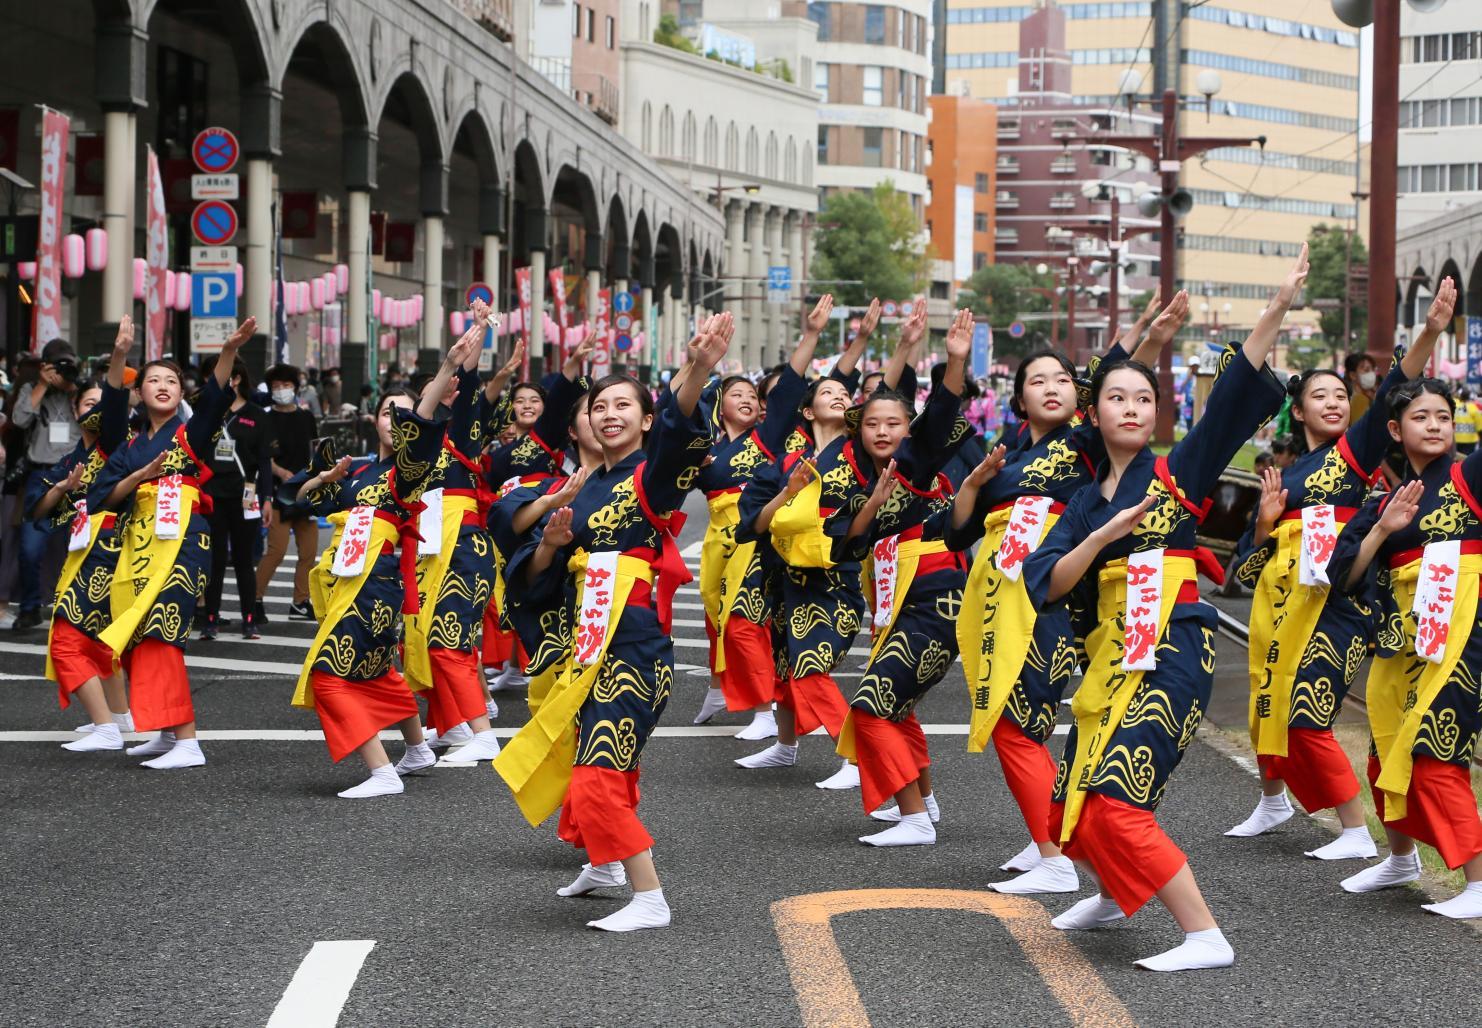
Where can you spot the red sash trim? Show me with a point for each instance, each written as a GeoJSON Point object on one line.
{"type": "Point", "coordinates": [853, 464]}
{"type": "Point", "coordinates": [1342, 515]}
{"type": "Point", "coordinates": [1399, 560]}
{"type": "Point", "coordinates": [1165, 475]}
{"type": "Point", "coordinates": [1208, 564]}
{"type": "Point", "coordinates": [711, 494]}
{"type": "Point", "coordinates": [761, 445]}
{"type": "Point", "coordinates": [206, 474]}
{"type": "Point", "coordinates": [1346, 452]}
{"type": "Point", "coordinates": [671, 570]}
{"type": "Point", "coordinates": [407, 538]}
{"type": "Point", "coordinates": [1056, 507]}
{"type": "Point", "coordinates": [1459, 480]}
{"type": "Point", "coordinates": [554, 455]}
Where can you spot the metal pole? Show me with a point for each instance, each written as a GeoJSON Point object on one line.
{"type": "Point", "coordinates": [1076, 357]}
{"type": "Point", "coordinates": [1114, 245]}
{"type": "Point", "coordinates": [1383, 155]}
{"type": "Point", "coordinates": [1168, 169]}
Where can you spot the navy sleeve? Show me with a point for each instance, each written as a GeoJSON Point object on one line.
{"type": "Point", "coordinates": [114, 431]}
{"type": "Point", "coordinates": [1347, 548]}
{"type": "Point", "coordinates": [1243, 397]}
{"type": "Point", "coordinates": [764, 486]}
{"type": "Point", "coordinates": [550, 428]}
{"type": "Point", "coordinates": [416, 447]}
{"type": "Point", "coordinates": [206, 417]}
{"type": "Point", "coordinates": [784, 401]}
{"type": "Point", "coordinates": [1368, 437]}
{"type": "Point", "coordinates": [675, 452]}
{"type": "Point", "coordinates": [850, 381]}
{"type": "Point", "coordinates": [936, 435]}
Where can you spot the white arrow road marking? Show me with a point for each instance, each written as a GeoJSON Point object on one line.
{"type": "Point", "coordinates": [321, 985]}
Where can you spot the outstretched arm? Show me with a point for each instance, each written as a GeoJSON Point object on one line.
{"type": "Point", "coordinates": [849, 359]}
{"type": "Point", "coordinates": [432, 393]}
{"type": "Point", "coordinates": [1259, 343]}
{"type": "Point", "coordinates": [1437, 320]}
{"type": "Point", "coordinates": [905, 349]}
{"type": "Point", "coordinates": [813, 326]}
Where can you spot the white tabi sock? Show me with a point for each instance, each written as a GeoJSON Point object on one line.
{"type": "Point", "coordinates": [125, 722]}
{"type": "Point", "coordinates": [1024, 859]}
{"type": "Point", "coordinates": [1270, 812]}
{"type": "Point", "coordinates": [1465, 904]}
{"type": "Point", "coordinates": [383, 781]}
{"type": "Point", "coordinates": [102, 737]}
{"type": "Point", "coordinates": [1091, 912]}
{"type": "Point", "coordinates": [510, 678]}
{"type": "Point", "coordinates": [1199, 951]}
{"type": "Point", "coordinates": [1051, 874]}
{"type": "Point", "coordinates": [912, 830]}
{"type": "Point", "coordinates": [1391, 871]}
{"type": "Point", "coordinates": [645, 910]}
{"type": "Point", "coordinates": [763, 726]}
{"type": "Point", "coordinates": [185, 753]}
{"type": "Point", "coordinates": [1353, 843]}
{"type": "Point", "coordinates": [455, 736]}
{"type": "Point", "coordinates": [775, 755]}
{"type": "Point", "coordinates": [415, 759]}
{"type": "Point", "coordinates": [162, 743]}
{"type": "Point", "coordinates": [713, 704]}
{"type": "Point", "coordinates": [492, 709]}
{"type": "Point", "coordinates": [847, 777]}
{"type": "Point", "coordinates": [596, 876]}
{"type": "Point", "coordinates": [892, 814]}
{"type": "Point", "coordinates": [483, 746]}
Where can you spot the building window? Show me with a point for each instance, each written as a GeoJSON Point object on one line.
{"type": "Point", "coordinates": [979, 259]}
{"type": "Point", "coordinates": [819, 13]}
{"type": "Point", "coordinates": [874, 143]}
{"type": "Point", "coordinates": [903, 90]}
{"type": "Point", "coordinates": [874, 31]}
{"type": "Point", "coordinates": [980, 182]}
{"type": "Point", "coordinates": [820, 80]}
{"type": "Point", "coordinates": [576, 21]}
{"type": "Point", "coordinates": [874, 86]}
{"type": "Point", "coordinates": [980, 222]}
{"type": "Point", "coordinates": [611, 32]}
{"type": "Point", "coordinates": [591, 25]}
{"type": "Point", "coordinates": [823, 144]}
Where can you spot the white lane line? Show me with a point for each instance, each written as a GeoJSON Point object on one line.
{"type": "Point", "coordinates": [266, 667]}
{"type": "Point", "coordinates": [315, 735]}
{"type": "Point", "coordinates": [321, 985]}
{"type": "Point", "coordinates": [692, 551]}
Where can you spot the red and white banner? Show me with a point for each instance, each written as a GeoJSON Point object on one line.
{"type": "Point", "coordinates": [887, 563]}
{"type": "Point", "coordinates": [46, 323]}
{"type": "Point", "coordinates": [1435, 597]}
{"type": "Point", "coordinates": [522, 287]}
{"type": "Point", "coordinates": [1144, 604]}
{"type": "Point", "coordinates": [1022, 534]}
{"type": "Point", "coordinates": [558, 295]}
{"type": "Point", "coordinates": [157, 256]}
{"type": "Point", "coordinates": [595, 615]}
{"type": "Point", "coordinates": [1319, 539]}
{"type": "Point", "coordinates": [355, 538]}
{"type": "Point", "coordinates": [167, 500]}
{"type": "Point", "coordinates": [601, 324]}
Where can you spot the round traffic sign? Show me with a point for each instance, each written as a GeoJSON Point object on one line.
{"type": "Point", "coordinates": [214, 222]}
{"type": "Point", "coordinates": [1016, 329]}
{"type": "Point", "coordinates": [215, 150]}
{"type": "Point", "coordinates": [479, 291]}
{"type": "Point", "coordinates": [907, 308]}
{"type": "Point", "coordinates": [624, 343]}
{"type": "Point", "coordinates": [622, 302]}
{"type": "Point", "coordinates": [888, 308]}
{"type": "Point", "coordinates": [623, 322]}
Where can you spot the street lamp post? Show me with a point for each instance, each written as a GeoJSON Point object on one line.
{"type": "Point", "coordinates": [1115, 236]}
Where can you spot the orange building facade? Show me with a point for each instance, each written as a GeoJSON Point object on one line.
{"type": "Point", "coordinates": [962, 141]}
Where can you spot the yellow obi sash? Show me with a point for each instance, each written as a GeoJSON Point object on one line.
{"type": "Point", "coordinates": [1107, 689]}
{"type": "Point", "coordinates": [723, 567]}
{"type": "Point", "coordinates": [536, 763]}
{"type": "Point", "coordinates": [70, 567]}
{"type": "Point", "coordinates": [431, 571]}
{"type": "Point", "coordinates": [1396, 706]}
{"type": "Point", "coordinates": [1277, 643]}
{"type": "Point", "coordinates": [145, 563]}
{"type": "Point", "coordinates": [333, 596]}
{"type": "Point", "coordinates": [997, 605]}
{"type": "Point", "coordinates": [908, 556]}
{"type": "Point", "coordinates": [797, 529]}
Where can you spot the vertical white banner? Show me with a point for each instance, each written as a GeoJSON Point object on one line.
{"type": "Point", "coordinates": [157, 256]}
{"type": "Point", "coordinates": [47, 314]}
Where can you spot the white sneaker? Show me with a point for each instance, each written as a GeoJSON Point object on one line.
{"type": "Point", "coordinates": [1024, 860]}
{"type": "Point", "coordinates": [1391, 871]}
{"type": "Point", "coordinates": [415, 759]}
{"type": "Point", "coordinates": [847, 777]}
{"type": "Point", "coordinates": [483, 746]}
{"type": "Point", "coordinates": [1091, 912]}
{"type": "Point", "coordinates": [1052, 874]}
{"type": "Point", "coordinates": [185, 753]}
{"type": "Point", "coordinates": [596, 876]}
{"type": "Point", "coordinates": [161, 743]}
{"type": "Point", "coordinates": [775, 755]}
{"type": "Point", "coordinates": [102, 737]}
{"type": "Point", "coordinates": [7, 619]}
{"type": "Point", "coordinates": [913, 830]}
{"type": "Point", "coordinates": [713, 704]}
{"type": "Point", "coordinates": [892, 815]}
{"type": "Point", "coordinates": [763, 726]}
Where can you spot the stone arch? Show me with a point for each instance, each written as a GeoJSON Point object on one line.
{"type": "Point", "coordinates": [236, 21]}
{"type": "Point", "coordinates": [330, 59]}
{"type": "Point", "coordinates": [619, 242]}
{"type": "Point", "coordinates": [1418, 279]}
{"type": "Point", "coordinates": [470, 128]}
{"type": "Point", "coordinates": [1473, 286]}
{"type": "Point", "coordinates": [408, 99]}
{"type": "Point", "coordinates": [1452, 270]}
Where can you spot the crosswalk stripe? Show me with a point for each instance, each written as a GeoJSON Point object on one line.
{"type": "Point", "coordinates": [269, 667]}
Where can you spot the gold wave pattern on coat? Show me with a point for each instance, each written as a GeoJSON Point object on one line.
{"type": "Point", "coordinates": [750, 604]}
{"type": "Point", "coordinates": [1190, 726]}
{"type": "Point", "coordinates": [1327, 480]}
{"type": "Point", "coordinates": [338, 654]}
{"type": "Point", "coordinates": [610, 742]}
{"type": "Point", "coordinates": [846, 618]}
{"type": "Point", "coordinates": [1450, 519]}
{"type": "Point", "coordinates": [1131, 770]}
{"type": "Point", "coordinates": [808, 617]}
{"type": "Point", "coordinates": [1314, 699]}
{"type": "Point", "coordinates": [663, 684]}
{"type": "Point", "coordinates": [935, 660]}
{"type": "Point", "coordinates": [1391, 635]}
{"type": "Point", "coordinates": [1358, 649]}
{"type": "Point", "coordinates": [164, 620]}
{"type": "Point", "coordinates": [1249, 572]}
{"type": "Point", "coordinates": [373, 664]}
{"type": "Point", "coordinates": [1064, 660]}
{"type": "Point", "coordinates": [1152, 705]}
{"type": "Point", "coordinates": [1440, 733]}
{"type": "Point", "coordinates": [69, 609]}
{"type": "Point", "coordinates": [99, 583]}
{"type": "Point", "coordinates": [1320, 647]}
{"type": "Point", "coordinates": [618, 678]}
{"type": "Point", "coordinates": [818, 661]}
{"type": "Point", "coordinates": [446, 631]}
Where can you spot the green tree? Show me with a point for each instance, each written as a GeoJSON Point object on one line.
{"type": "Point", "coordinates": [874, 237]}
{"type": "Point", "coordinates": [668, 34]}
{"type": "Point", "coordinates": [1004, 293]}
{"type": "Point", "coordinates": [1327, 250]}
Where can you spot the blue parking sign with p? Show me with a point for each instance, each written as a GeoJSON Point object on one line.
{"type": "Point", "coordinates": [213, 295]}
{"type": "Point", "coordinates": [1474, 351]}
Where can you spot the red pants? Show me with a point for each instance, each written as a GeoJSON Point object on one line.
{"type": "Point", "coordinates": [750, 678]}
{"type": "Point", "coordinates": [353, 713]}
{"type": "Point", "coordinates": [814, 700]}
{"type": "Point", "coordinates": [1029, 771]}
{"type": "Point", "coordinates": [76, 657]}
{"type": "Point", "coordinates": [1440, 809]}
{"type": "Point", "coordinates": [1124, 846]}
{"type": "Point", "coordinates": [159, 688]}
{"type": "Point", "coordinates": [891, 755]}
{"type": "Point", "coordinates": [600, 814]}
{"type": "Point", "coordinates": [457, 693]}
{"type": "Point", "coordinates": [499, 643]}
{"type": "Point", "coordinates": [1315, 768]}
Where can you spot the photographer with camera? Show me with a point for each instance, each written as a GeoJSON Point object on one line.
{"type": "Point", "coordinates": [45, 412]}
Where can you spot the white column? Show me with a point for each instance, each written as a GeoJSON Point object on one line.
{"type": "Point", "coordinates": [258, 260]}
{"type": "Point", "coordinates": [735, 268]}
{"type": "Point", "coordinates": [756, 270]}
{"type": "Point", "coordinates": [358, 246]}
{"type": "Point", "coordinates": [491, 267]}
{"type": "Point", "coordinates": [790, 318]}
{"type": "Point", "coordinates": [594, 286]}
{"type": "Point", "coordinates": [650, 335]}
{"type": "Point", "coordinates": [537, 308]}
{"type": "Point", "coordinates": [774, 313]}
{"type": "Point", "coordinates": [119, 175]}
{"type": "Point", "coordinates": [432, 282]}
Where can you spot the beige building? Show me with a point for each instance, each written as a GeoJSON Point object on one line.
{"type": "Point", "coordinates": [1293, 81]}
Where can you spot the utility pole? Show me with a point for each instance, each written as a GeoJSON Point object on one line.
{"type": "Point", "coordinates": [1115, 237]}
{"type": "Point", "coordinates": [1383, 158]}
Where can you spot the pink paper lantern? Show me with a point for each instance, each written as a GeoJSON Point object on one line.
{"type": "Point", "coordinates": [141, 277]}
{"type": "Point", "coordinates": [455, 323]}
{"type": "Point", "coordinates": [182, 291]}
{"type": "Point", "coordinates": [240, 278]}
{"type": "Point", "coordinates": [97, 249]}
{"type": "Point", "coordinates": [27, 270]}
{"type": "Point", "coordinates": [331, 287]}
{"type": "Point", "coordinates": [316, 293]}
{"type": "Point", "coordinates": [169, 288]}
{"type": "Point", "coordinates": [305, 297]}
{"type": "Point", "coordinates": [74, 255]}
{"type": "Point", "coordinates": [375, 304]}
{"type": "Point", "coordinates": [342, 277]}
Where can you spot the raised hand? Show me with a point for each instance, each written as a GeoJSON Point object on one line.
{"type": "Point", "coordinates": [990, 466]}
{"type": "Point", "coordinates": [124, 341]}
{"type": "Point", "coordinates": [1403, 505]}
{"type": "Point", "coordinates": [1438, 318]}
{"type": "Point", "coordinates": [234, 342]}
{"type": "Point", "coordinates": [1272, 504]}
{"type": "Point", "coordinates": [870, 320]}
{"type": "Point", "coordinates": [558, 531]}
{"type": "Point", "coordinates": [884, 486]}
{"type": "Point", "coordinates": [563, 496]}
{"type": "Point", "coordinates": [1295, 279]}
{"type": "Point", "coordinates": [1123, 522]}
{"type": "Point", "coordinates": [1166, 325]}
{"type": "Point", "coordinates": [709, 348]}
{"type": "Point", "coordinates": [960, 335]}
{"type": "Point", "coordinates": [340, 470]}
{"type": "Point", "coordinates": [802, 473]}
{"type": "Point", "coordinates": [581, 352]}
{"type": "Point", "coordinates": [915, 326]}
{"type": "Point", "coordinates": [515, 362]}
{"type": "Point", "coordinates": [817, 319]}
{"type": "Point", "coordinates": [1151, 310]}
{"type": "Point", "coordinates": [466, 348]}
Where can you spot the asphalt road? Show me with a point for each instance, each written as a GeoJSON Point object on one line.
{"type": "Point", "coordinates": [194, 898]}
